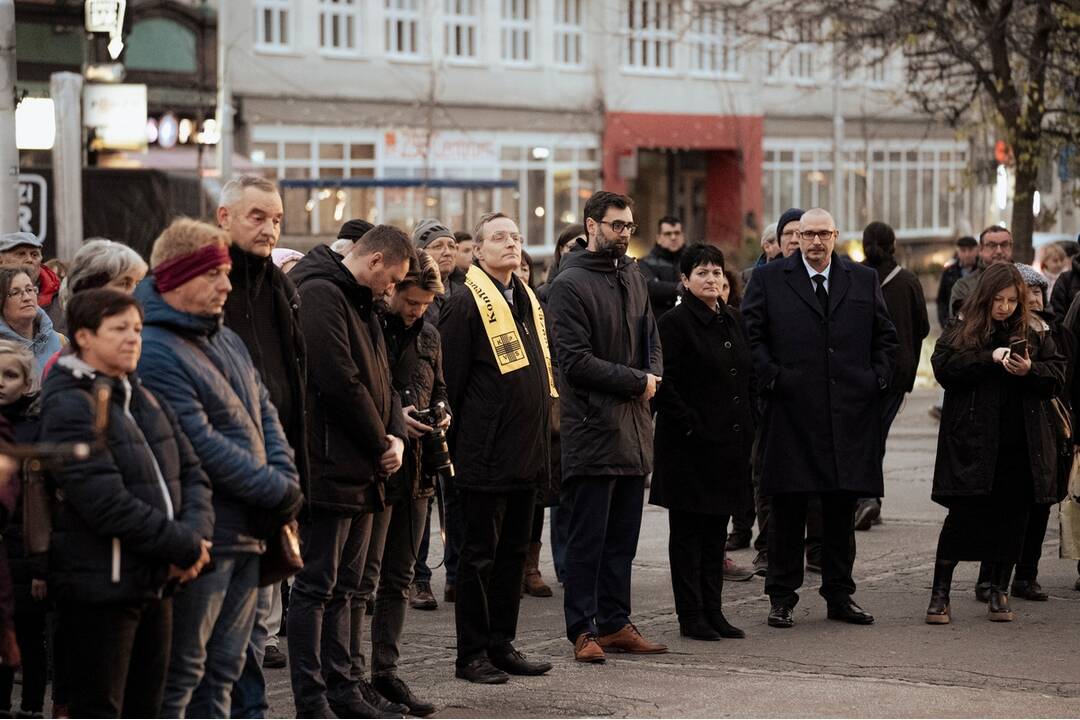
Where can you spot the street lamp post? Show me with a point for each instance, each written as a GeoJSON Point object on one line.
{"type": "Point", "coordinates": [224, 97]}
{"type": "Point", "coordinates": [9, 153]}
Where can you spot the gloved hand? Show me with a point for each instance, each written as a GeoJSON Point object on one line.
{"type": "Point", "coordinates": [290, 505]}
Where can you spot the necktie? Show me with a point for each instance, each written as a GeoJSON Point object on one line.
{"type": "Point", "coordinates": [822, 293]}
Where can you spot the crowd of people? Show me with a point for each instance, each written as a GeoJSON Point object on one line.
{"type": "Point", "coordinates": [237, 442]}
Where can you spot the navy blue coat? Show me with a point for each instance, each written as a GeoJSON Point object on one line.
{"type": "Point", "coordinates": [228, 417]}
{"type": "Point", "coordinates": [821, 378]}
{"type": "Point", "coordinates": [133, 509]}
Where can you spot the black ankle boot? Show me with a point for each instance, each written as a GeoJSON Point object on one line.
{"type": "Point", "coordinates": [721, 625]}
{"type": "Point", "coordinates": [937, 613]}
{"type": "Point", "coordinates": [998, 608]}
{"type": "Point", "coordinates": [696, 628]}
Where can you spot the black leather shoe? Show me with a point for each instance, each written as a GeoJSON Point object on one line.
{"type": "Point", "coordinates": [358, 708]}
{"type": "Point", "coordinates": [318, 711]}
{"type": "Point", "coordinates": [512, 662]}
{"type": "Point", "coordinates": [737, 542]}
{"type": "Point", "coordinates": [480, 670]}
{"type": "Point", "coordinates": [698, 629]}
{"type": "Point", "coordinates": [720, 624]}
{"type": "Point", "coordinates": [1029, 590]}
{"type": "Point", "coordinates": [373, 698]}
{"type": "Point", "coordinates": [847, 611]}
{"type": "Point", "coordinates": [780, 617]}
{"type": "Point", "coordinates": [395, 690]}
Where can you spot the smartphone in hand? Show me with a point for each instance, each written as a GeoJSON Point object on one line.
{"type": "Point", "coordinates": [1018, 347]}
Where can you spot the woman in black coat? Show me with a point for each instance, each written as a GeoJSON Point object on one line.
{"type": "Point", "coordinates": [704, 433]}
{"type": "Point", "coordinates": [130, 522]}
{"type": "Point", "coordinates": [997, 453]}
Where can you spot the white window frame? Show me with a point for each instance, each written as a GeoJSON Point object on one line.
{"type": "Point", "coordinates": [568, 33]}
{"type": "Point", "coordinates": [654, 38]}
{"type": "Point", "coordinates": [341, 11]}
{"type": "Point", "coordinates": [281, 21]}
{"type": "Point", "coordinates": [714, 43]}
{"type": "Point", "coordinates": [517, 32]}
{"type": "Point", "coordinates": [775, 51]}
{"type": "Point", "coordinates": [398, 14]}
{"type": "Point", "coordinates": [879, 68]}
{"type": "Point", "coordinates": [457, 18]}
{"type": "Point", "coordinates": [805, 51]}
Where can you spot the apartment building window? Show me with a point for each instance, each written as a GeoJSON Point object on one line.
{"type": "Point", "coordinates": [878, 68]}
{"type": "Point", "coordinates": [651, 36]}
{"type": "Point", "coordinates": [272, 24]}
{"type": "Point", "coordinates": [713, 40]}
{"type": "Point", "coordinates": [339, 25]}
{"type": "Point", "coordinates": [774, 48]}
{"type": "Point", "coordinates": [403, 28]}
{"type": "Point", "coordinates": [517, 31]}
{"type": "Point", "coordinates": [569, 33]}
{"type": "Point", "coordinates": [461, 28]}
{"type": "Point", "coordinates": [804, 54]}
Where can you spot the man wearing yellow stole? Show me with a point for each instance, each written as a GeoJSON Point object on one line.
{"type": "Point", "coordinates": [497, 368]}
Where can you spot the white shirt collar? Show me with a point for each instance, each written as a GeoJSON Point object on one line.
{"type": "Point", "coordinates": [812, 272]}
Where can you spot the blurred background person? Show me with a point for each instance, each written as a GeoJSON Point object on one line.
{"type": "Point", "coordinates": [22, 320]}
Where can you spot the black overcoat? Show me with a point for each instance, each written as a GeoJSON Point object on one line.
{"type": "Point", "coordinates": [704, 411]}
{"type": "Point", "coordinates": [821, 376]}
{"type": "Point", "coordinates": [970, 427]}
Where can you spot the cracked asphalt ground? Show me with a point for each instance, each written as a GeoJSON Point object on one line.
{"type": "Point", "coordinates": [898, 667]}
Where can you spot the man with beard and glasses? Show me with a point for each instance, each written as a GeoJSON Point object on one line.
{"type": "Point", "coordinates": [610, 363]}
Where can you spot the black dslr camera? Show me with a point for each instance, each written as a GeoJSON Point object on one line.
{"type": "Point", "coordinates": [434, 453]}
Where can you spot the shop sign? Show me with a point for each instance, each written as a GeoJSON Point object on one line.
{"type": "Point", "coordinates": [33, 205]}
{"type": "Point", "coordinates": [411, 145]}
{"type": "Point", "coordinates": [117, 114]}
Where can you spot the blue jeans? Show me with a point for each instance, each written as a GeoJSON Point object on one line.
{"type": "Point", "coordinates": [212, 623]}
{"type": "Point", "coordinates": [249, 692]}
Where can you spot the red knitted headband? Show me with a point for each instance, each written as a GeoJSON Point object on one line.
{"type": "Point", "coordinates": [174, 273]}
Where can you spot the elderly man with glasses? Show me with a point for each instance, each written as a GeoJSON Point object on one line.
{"type": "Point", "coordinates": [823, 348]}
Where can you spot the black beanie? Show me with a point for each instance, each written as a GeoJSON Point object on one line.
{"type": "Point", "coordinates": [354, 229]}
{"type": "Point", "coordinates": [790, 215]}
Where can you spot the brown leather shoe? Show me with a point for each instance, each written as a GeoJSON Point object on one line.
{"type": "Point", "coordinates": [629, 640]}
{"type": "Point", "coordinates": [587, 650]}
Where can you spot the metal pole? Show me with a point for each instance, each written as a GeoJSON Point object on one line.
{"type": "Point", "coordinates": [66, 91]}
{"type": "Point", "coordinates": [224, 97]}
{"type": "Point", "coordinates": [838, 197]}
{"type": "Point", "coordinates": [9, 153]}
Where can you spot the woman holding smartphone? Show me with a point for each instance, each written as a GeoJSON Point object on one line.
{"type": "Point", "coordinates": [996, 452]}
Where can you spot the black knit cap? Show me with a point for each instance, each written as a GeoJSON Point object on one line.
{"type": "Point", "coordinates": [354, 229]}
{"type": "Point", "coordinates": [790, 215]}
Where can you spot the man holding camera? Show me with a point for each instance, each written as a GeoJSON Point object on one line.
{"type": "Point", "coordinates": [357, 438]}
{"type": "Point", "coordinates": [498, 377]}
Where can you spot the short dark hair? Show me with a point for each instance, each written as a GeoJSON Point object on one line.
{"type": "Point", "coordinates": [597, 205]}
{"type": "Point", "coordinates": [966, 241]}
{"type": "Point", "coordinates": [667, 220]}
{"type": "Point", "coordinates": [698, 255]}
{"type": "Point", "coordinates": [89, 308]}
{"type": "Point", "coordinates": [880, 234]}
{"type": "Point", "coordinates": [992, 229]}
{"type": "Point", "coordinates": [8, 273]}
{"type": "Point", "coordinates": [392, 242]}
{"type": "Point", "coordinates": [462, 236]}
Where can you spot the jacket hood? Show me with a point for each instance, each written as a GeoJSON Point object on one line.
{"type": "Point", "coordinates": [48, 285]}
{"type": "Point", "coordinates": [72, 373]}
{"type": "Point", "coordinates": [324, 264]}
{"type": "Point", "coordinates": [601, 261]}
{"type": "Point", "coordinates": [159, 312]}
{"type": "Point", "coordinates": [41, 335]}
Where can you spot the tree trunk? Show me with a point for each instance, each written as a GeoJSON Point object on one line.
{"type": "Point", "coordinates": [1023, 216]}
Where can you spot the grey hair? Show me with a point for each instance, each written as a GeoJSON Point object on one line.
{"type": "Point", "coordinates": [96, 259]}
{"type": "Point", "coordinates": [769, 234]}
{"type": "Point", "coordinates": [233, 190]}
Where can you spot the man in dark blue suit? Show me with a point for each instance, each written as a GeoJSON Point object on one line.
{"type": "Point", "coordinates": [823, 348]}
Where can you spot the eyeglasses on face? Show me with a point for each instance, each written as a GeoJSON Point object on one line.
{"type": "Point", "coordinates": [31, 291]}
{"type": "Point", "coordinates": [502, 236]}
{"type": "Point", "coordinates": [619, 226]}
{"type": "Point", "coordinates": [817, 235]}
{"type": "Point", "coordinates": [994, 246]}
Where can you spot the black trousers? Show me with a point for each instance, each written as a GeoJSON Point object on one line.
{"type": "Point", "coordinates": [696, 553]}
{"type": "Point", "coordinates": [605, 522]}
{"type": "Point", "coordinates": [490, 568]}
{"type": "Point", "coordinates": [119, 654]}
{"type": "Point", "coordinates": [1027, 567]}
{"type": "Point", "coordinates": [30, 631]}
{"type": "Point", "coordinates": [787, 523]}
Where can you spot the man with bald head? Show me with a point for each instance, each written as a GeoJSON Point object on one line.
{"type": "Point", "coordinates": [823, 348]}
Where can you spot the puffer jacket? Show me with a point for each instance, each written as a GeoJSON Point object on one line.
{"type": "Point", "coordinates": [46, 343]}
{"type": "Point", "coordinates": [606, 341]}
{"type": "Point", "coordinates": [415, 355]}
{"type": "Point", "coordinates": [203, 371]}
{"type": "Point", "coordinates": [352, 406]}
{"type": "Point", "coordinates": [130, 510]}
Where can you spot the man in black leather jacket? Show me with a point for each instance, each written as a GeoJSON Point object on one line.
{"type": "Point", "coordinates": [661, 266]}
